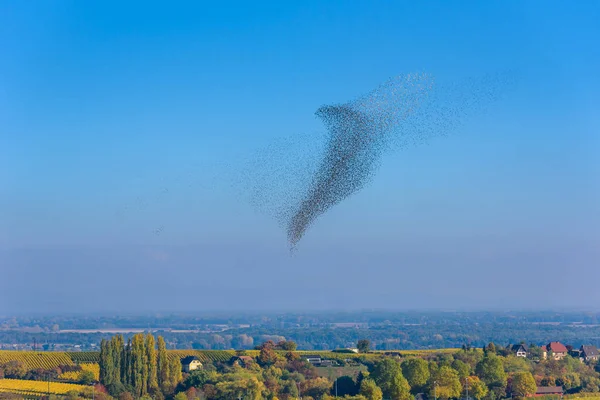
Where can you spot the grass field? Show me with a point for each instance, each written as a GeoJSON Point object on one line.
{"type": "Point", "coordinates": [335, 372]}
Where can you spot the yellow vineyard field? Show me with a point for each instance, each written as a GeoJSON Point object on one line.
{"type": "Point", "coordinates": [74, 375]}
{"type": "Point", "coordinates": [94, 368]}
{"type": "Point", "coordinates": [35, 360]}
{"type": "Point", "coordinates": [38, 387]}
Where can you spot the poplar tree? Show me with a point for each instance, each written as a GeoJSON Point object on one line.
{"type": "Point", "coordinates": [102, 361]}
{"type": "Point", "coordinates": [175, 372]}
{"type": "Point", "coordinates": [126, 369]}
{"type": "Point", "coordinates": [106, 363]}
{"type": "Point", "coordinates": [162, 365]}
{"type": "Point", "coordinates": [151, 361]}
{"type": "Point", "coordinates": [138, 363]}
{"type": "Point", "coordinates": [116, 344]}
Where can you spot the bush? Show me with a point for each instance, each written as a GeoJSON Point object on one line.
{"type": "Point", "coordinates": [86, 377]}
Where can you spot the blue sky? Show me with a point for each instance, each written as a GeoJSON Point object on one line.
{"type": "Point", "coordinates": [125, 127]}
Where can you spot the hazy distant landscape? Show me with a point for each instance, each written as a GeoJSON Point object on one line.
{"type": "Point", "coordinates": [318, 331]}
{"type": "Point", "coordinates": [366, 355]}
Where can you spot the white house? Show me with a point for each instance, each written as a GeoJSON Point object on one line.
{"type": "Point", "coordinates": [190, 363]}
{"type": "Point", "coordinates": [520, 350]}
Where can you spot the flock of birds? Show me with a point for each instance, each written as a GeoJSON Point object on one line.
{"type": "Point", "coordinates": [297, 180]}
{"type": "Point", "coordinates": [302, 178]}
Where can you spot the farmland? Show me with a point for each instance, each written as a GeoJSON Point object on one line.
{"type": "Point", "coordinates": [33, 388]}
{"type": "Point", "coordinates": [35, 360]}
{"type": "Point", "coordinates": [74, 376]}
{"type": "Point", "coordinates": [50, 360]}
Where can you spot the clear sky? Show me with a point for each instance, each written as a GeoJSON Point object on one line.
{"type": "Point", "coordinates": [124, 125]}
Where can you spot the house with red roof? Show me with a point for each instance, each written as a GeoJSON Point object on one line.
{"type": "Point", "coordinates": [556, 349]}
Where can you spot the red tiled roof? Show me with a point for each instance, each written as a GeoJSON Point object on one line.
{"type": "Point", "coordinates": [557, 347]}
{"type": "Point", "coordinates": [549, 390]}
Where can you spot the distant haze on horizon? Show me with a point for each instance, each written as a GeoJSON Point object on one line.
{"type": "Point", "coordinates": [125, 128]}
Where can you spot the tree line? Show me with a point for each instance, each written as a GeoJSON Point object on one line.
{"type": "Point", "coordinates": [140, 367]}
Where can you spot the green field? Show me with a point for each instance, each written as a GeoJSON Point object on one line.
{"type": "Point", "coordinates": [333, 373]}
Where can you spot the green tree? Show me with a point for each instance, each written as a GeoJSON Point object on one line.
{"type": "Point", "coordinates": [444, 384]}
{"type": "Point", "coordinates": [162, 365]}
{"type": "Point", "coordinates": [344, 385]}
{"type": "Point", "coordinates": [462, 369]}
{"type": "Point", "coordinates": [287, 345]}
{"type": "Point", "coordinates": [72, 395]}
{"type": "Point", "coordinates": [535, 353]}
{"type": "Point", "coordinates": [106, 363]}
{"type": "Point", "coordinates": [199, 378]}
{"type": "Point", "coordinates": [387, 374]}
{"type": "Point", "coordinates": [370, 390]}
{"type": "Point", "coordinates": [180, 396]}
{"type": "Point", "coordinates": [246, 388]}
{"type": "Point", "coordinates": [523, 384]}
{"type": "Point", "coordinates": [86, 377]}
{"type": "Point", "coordinates": [116, 350]}
{"type": "Point", "coordinates": [290, 390]}
{"type": "Point", "coordinates": [515, 364]}
{"type": "Point", "coordinates": [416, 372]}
{"type": "Point", "coordinates": [491, 371]}
{"type": "Point", "coordinates": [491, 347]}
{"type": "Point", "coordinates": [571, 380]}
{"type": "Point", "coordinates": [126, 377]}
{"type": "Point", "coordinates": [363, 345]}
{"type": "Point", "coordinates": [139, 365]}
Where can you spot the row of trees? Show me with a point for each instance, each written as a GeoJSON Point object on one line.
{"type": "Point", "coordinates": [139, 367]}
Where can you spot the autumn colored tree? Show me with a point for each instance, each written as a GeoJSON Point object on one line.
{"type": "Point", "coordinates": [267, 356]}
{"type": "Point", "coordinates": [444, 384]}
{"type": "Point", "coordinates": [523, 384]}
{"type": "Point", "coordinates": [316, 387]}
{"type": "Point", "coordinates": [248, 388]}
{"type": "Point", "coordinates": [162, 364]}
{"type": "Point", "coordinates": [175, 374]}
{"type": "Point", "coordinates": [151, 360]}
{"type": "Point", "coordinates": [475, 387]}
{"type": "Point", "coordinates": [125, 396]}
{"type": "Point", "coordinates": [370, 390]}
{"type": "Point", "coordinates": [14, 369]}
